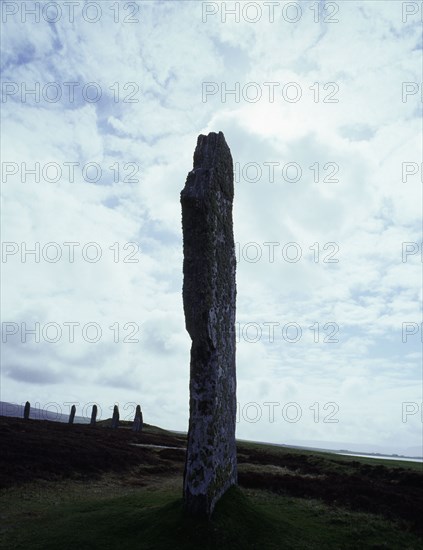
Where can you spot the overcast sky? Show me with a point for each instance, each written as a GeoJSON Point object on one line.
{"type": "Point", "coordinates": [321, 105]}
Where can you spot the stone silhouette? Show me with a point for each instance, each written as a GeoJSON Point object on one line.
{"type": "Point", "coordinates": [27, 410]}
{"type": "Point", "coordinates": [72, 414]}
{"type": "Point", "coordinates": [138, 420]}
{"type": "Point", "coordinates": [209, 297]}
{"type": "Point", "coordinates": [93, 415]}
{"type": "Point", "coordinates": [115, 417]}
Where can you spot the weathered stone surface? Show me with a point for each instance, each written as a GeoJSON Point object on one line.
{"type": "Point", "coordinates": [138, 420]}
{"type": "Point", "coordinates": [93, 415]}
{"type": "Point", "coordinates": [209, 296]}
{"type": "Point", "coordinates": [115, 417]}
{"type": "Point", "coordinates": [72, 414]}
{"type": "Point", "coordinates": [27, 410]}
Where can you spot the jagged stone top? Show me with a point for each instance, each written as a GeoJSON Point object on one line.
{"type": "Point", "coordinates": [212, 157]}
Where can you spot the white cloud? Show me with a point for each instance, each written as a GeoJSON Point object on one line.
{"type": "Point", "coordinates": [369, 213]}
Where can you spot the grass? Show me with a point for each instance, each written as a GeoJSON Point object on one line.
{"type": "Point", "coordinates": [155, 519]}
{"type": "Point", "coordinates": [83, 488]}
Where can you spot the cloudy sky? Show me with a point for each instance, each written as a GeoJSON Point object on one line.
{"type": "Point", "coordinates": [321, 105]}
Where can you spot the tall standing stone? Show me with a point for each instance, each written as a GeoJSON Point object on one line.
{"type": "Point", "coordinates": [209, 296]}
{"type": "Point", "coordinates": [27, 410]}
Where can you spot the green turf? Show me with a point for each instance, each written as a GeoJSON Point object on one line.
{"type": "Point", "coordinates": [146, 519]}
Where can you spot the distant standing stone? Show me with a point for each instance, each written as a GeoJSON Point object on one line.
{"type": "Point", "coordinates": [138, 420]}
{"type": "Point", "coordinates": [93, 415]}
{"type": "Point", "coordinates": [115, 417]}
{"type": "Point", "coordinates": [72, 414]}
{"type": "Point", "coordinates": [27, 410]}
{"type": "Point", "coordinates": [209, 297]}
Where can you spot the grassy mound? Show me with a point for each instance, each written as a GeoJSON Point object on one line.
{"type": "Point", "coordinates": [242, 520]}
